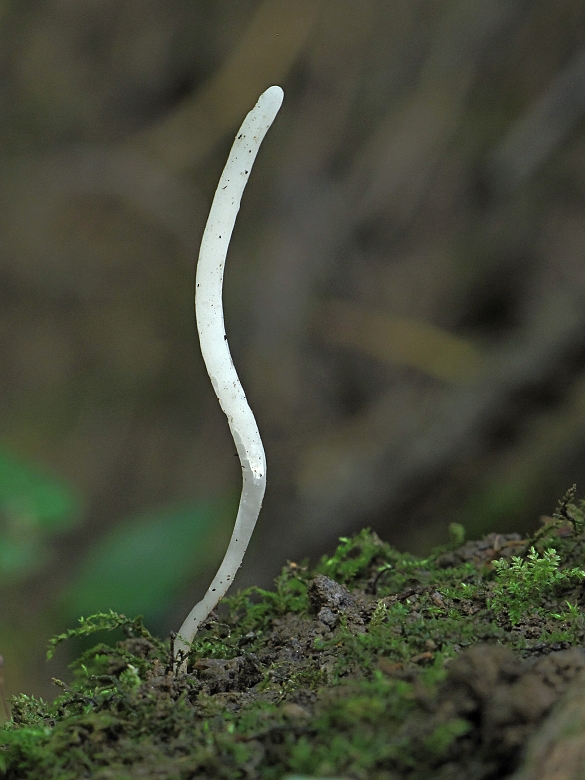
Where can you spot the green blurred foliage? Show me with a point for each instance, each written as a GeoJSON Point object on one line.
{"type": "Point", "coordinates": [141, 565]}
{"type": "Point", "coordinates": [494, 508]}
{"type": "Point", "coordinates": [33, 506]}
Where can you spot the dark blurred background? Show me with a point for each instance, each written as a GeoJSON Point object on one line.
{"type": "Point", "coordinates": [405, 291]}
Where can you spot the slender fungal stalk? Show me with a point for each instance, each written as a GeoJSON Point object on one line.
{"type": "Point", "coordinates": [216, 353]}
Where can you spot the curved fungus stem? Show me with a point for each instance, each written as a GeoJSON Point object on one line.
{"type": "Point", "coordinates": [216, 353]}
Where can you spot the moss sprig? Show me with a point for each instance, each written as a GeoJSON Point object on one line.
{"type": "Point", "coordinates": [521, 584]}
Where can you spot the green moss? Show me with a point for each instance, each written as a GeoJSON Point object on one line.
{"type": "Point", "coordinates": [340, 671]}
{"type": "Point", "coordinates": [521, 584]}
{"type": "Point", "coordinates": [445, 734]}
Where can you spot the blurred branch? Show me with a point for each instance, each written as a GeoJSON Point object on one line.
{"type": "Point", "coordinates": [405, 442]}
{"type": "Point", "coordinates": [36, 191]}
{"type": "Point", "coordinates": [264, 55]}
{"type": "Point", "coordinates": [410, 437]}
{"type": "Point", "coordinates": [388, 177]}
{"type": "Point", "coordinates": [536, 135]}
{"type": "Point", "coordinates": [396, 164]}
{"type": "Point", "coordinates": [398, 341]}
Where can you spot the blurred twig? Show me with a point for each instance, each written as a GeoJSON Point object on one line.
{"type": "Point", "coordinates": [391, 453]}
{"type": "Point", "coordinates": [262, 57]}
{"type": "Point", "coordinates": [396, 164]}
{"type": "Point", "coordinates": [409, 437]}
{"type": "Point", "coordinates": [398, 341]}
{"type": "Point", "coordinates": [539, 131]}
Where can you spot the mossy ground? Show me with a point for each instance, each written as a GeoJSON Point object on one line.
{"type": "Point", "coordinates": [376, 664]}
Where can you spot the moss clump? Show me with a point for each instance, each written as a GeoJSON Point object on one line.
{"type": "Point", "coordinates": [522, 583]}
{"type": "Point", "coordinates": [376, 664]}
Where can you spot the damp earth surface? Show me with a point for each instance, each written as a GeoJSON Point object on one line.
{"type": "Point", "coordinates": [373, 665]}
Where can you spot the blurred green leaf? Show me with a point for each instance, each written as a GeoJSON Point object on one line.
{"type": "Point", "coordinates": [140, 566]}
{"type": "Point", "coordinates": [33, 506]}
{"type": "Point", "coordinates": [18, 557]}
{"type": "Point", "coordinates": [43, 498]}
